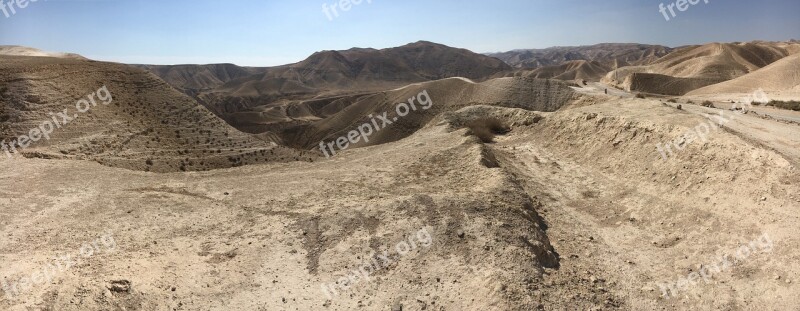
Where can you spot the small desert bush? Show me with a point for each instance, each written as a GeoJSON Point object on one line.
{"type": "Point", "coordinates": [708, 104]}
{"type": "Point", "coordinates": [640, 96]}
{"type": "Point", "coordinates": [790, 105]}
{"type": "Point", "coordinates": [487, 129]}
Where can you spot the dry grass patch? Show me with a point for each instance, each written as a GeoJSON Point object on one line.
{"type": "Point", "coordinates": [790, 105]}
{"type": "Point", "coordinates": [487, 129]}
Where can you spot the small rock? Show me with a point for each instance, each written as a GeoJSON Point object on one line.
{"type": "Point", "coordinates": [397, 307]}
{"type": "Point", "coordinates": [763, 198]}
{"type": "Point", "coordinates": [460, 233]}
{"type": "Point", "coordinates": [120, 286]}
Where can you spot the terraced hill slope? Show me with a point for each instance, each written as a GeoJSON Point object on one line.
{"type": "Point", "coordinates": [146, 125]}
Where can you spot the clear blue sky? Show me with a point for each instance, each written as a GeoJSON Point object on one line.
{"type": "Point", "coordinates": [274, 32]}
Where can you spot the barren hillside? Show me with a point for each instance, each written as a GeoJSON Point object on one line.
{"type": "Point", "coordinates": [613, 55]}
{"type": "Point", "coordinates": [284, 90]}
{"type": "Point", "coordinates": [572, 209]}
{"type": "Point", "coordinates": [146, 125]}
{"type": "Point", "coordinates": [193, 79]}
{"type": "Point", "coordinates": [511, 193]}
{"type": "Point", "coordinates": [693, 67]}
{"type": "Point", "coordinates": [780, 76]}
{"type": "Point", "coordinates": [571, 70]}
{"type": "Point", "coordinates": [366, 69]}
{"type": "Point", "coordinates": [450, 95]}
{"type": "Point", "coordinates": [16, 50]}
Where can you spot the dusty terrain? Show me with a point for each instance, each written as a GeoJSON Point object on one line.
{"type": "Point", "coordinates": [145, 125]}
{"type": "Point", "coordinates": [782, 76]}
{"type": "Point", "coordinates": [16, 50]}
{"type": "Point", "coordinates": [693, 67]}
{"type": "Point", "coordinates": [571, 70]}
{"type": "Point", "coordinates": [607, 54]}
{"type": "Point", "coordinates": [195, 79]}
{"type": "Point", "coordinates": [570, 206]}
{"type": "Point", "coordinates": [247, 98]}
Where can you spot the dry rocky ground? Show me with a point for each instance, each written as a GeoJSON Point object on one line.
{"type": "Point", "coordinates": [572, 209]}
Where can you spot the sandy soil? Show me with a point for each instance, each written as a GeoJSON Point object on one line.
{"type": "Point", "coordinates": [604, 202]}
{"type": "Point", "coordinates": [573, 211]}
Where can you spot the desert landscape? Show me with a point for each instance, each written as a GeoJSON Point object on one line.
{"type": "Point", "coordinates": [613, 176]}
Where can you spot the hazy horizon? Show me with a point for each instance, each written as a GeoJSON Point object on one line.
{"type": "Point", "coordinates": [254, 33]}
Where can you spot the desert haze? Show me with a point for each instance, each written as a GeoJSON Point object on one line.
{"type": "Point", "coordinates": [613, 176]}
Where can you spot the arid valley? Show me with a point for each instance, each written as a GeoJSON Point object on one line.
{"type": "Point", "coordinates": [613, 176]}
